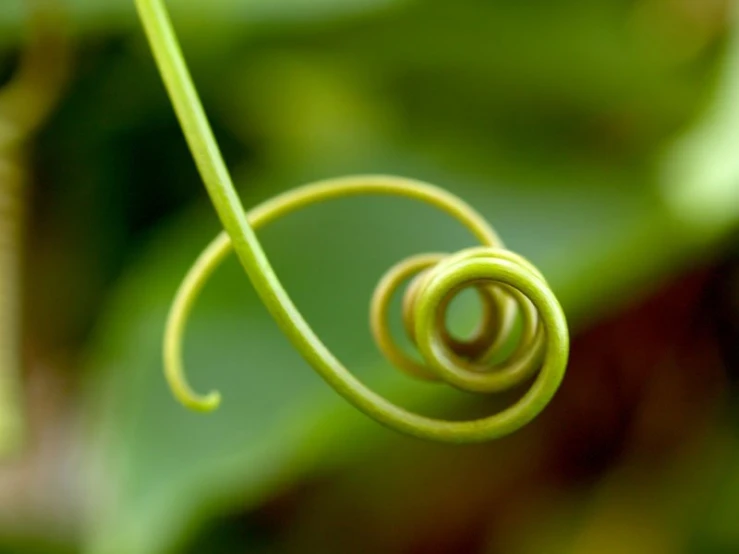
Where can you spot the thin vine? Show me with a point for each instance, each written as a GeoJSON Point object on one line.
{"type": "Point", "coordinates": [507, 285]}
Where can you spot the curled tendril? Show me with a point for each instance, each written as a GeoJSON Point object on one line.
{"type": "Point", "coordinates": [507, 284]}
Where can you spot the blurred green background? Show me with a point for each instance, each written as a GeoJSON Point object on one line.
{"type": "Point", "coordinates": [600, 138]}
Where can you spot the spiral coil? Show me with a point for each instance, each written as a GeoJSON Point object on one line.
{"type": "Point", "coordinates": [507, 284]}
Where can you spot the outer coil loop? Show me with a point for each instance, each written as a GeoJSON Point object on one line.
{"type": "Point", "coordinates": [507, 284]}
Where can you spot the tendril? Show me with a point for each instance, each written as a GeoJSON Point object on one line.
{"type": "Point", "coordinates": [506, 283]}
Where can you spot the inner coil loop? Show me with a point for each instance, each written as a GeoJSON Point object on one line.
{"type": "Point", "coordinates": [464, 363]}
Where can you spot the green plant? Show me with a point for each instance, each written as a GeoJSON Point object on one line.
{"type": "Point", "coordinates": [504, 280]}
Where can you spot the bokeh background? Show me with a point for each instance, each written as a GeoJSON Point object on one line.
{"type": "Point", "coordinates": [600, 138]}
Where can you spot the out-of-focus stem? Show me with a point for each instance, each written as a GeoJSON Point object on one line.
{"type": "Point", "coordinates": [11, 225]}
{"type": "Point", "coordinates": [25, 103]}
